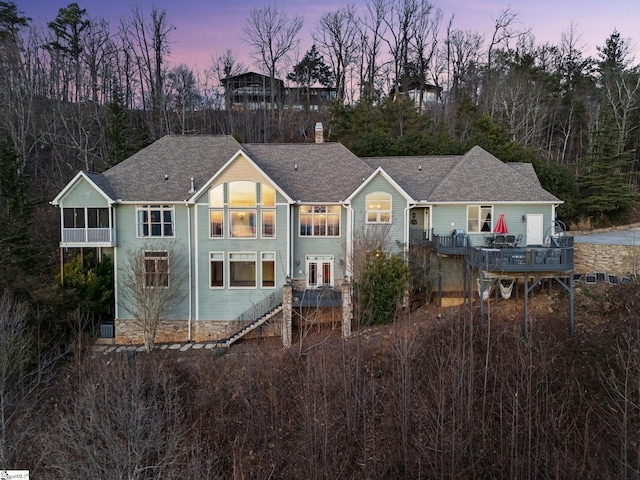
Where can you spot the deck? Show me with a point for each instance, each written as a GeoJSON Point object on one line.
{"type": "Point", "coordinates": [556, 257]}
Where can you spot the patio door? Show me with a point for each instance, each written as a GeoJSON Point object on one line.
{"type": "Point", "coordinates": [319, 271]}
{"type": "Point", "coordinates": [535, 229]}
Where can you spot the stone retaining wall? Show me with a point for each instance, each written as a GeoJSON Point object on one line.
{"type": "Point", "coordinates": [174, 331]}
{"type": "Point", "coordinates": [618, 260]}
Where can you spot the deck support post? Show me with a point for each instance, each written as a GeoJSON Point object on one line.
{"type": "Point", "coordinates": [287, 298]}
{"type": "Point", "coordinates": [526, 306]}
{"type": "Point", "coordinates": [439, 281]}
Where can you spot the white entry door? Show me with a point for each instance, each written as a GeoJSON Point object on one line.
{"type": "Point", "coordinates": [535, 229]}
{"type": "Point", "coordinates": [319, 271]}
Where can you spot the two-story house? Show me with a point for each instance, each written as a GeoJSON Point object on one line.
{"type": "Point", "coordinates": [238, 222]}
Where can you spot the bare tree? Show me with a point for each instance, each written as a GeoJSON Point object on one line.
{"type": "Point", "coordinates": [150, 42]}
{"type": "Point", "coordinates": [337, 38]}
{"type": "Point", "coordinates": [123, 419]}
{"type": "Point", "coordinates": [23, 372]}
{"type": "Point", "coordinates": [152, 284]}
{"type": "Point", "coordinates": [425, 46]}
{"type": "Point", "coordinates": [273, 36]}
{"type": "Point", "coordinates": [372, 30]}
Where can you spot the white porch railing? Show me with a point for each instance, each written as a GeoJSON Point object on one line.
{"type": "Point", "coordinates": [88, 235]}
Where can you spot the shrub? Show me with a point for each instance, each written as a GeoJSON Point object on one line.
{"type": "Point", "coordinates": [383, 282]}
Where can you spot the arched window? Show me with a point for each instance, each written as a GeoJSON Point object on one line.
{"type": "Point", "coordinates": [378, 207]}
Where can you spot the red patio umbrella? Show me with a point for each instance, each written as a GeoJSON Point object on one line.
{"type": "Point", "coordinates": [501, 225]}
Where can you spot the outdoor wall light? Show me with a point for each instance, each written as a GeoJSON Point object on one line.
{"type": "Point", "coordinates": [288, 280]}
{"type": "Point", "coordinates": [524, 218]}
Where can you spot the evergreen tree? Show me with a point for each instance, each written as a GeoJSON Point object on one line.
{"type": "Point", "coordinates": [605, 189]}
{"type": "Point", "coordinates": [15, 210]}
{"type": "Point", "coordinates": [118, 132]}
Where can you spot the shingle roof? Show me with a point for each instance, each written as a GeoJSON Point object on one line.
{"type": "Point", "coordinates": [418, 175]}
{"type": "Point", "coordinates": [480, 177]}
{"type": "Point", "coordinates": [322, 173]}
{"type": "Point", "coordinates": [102, 183]}
{"type": "Point", "coordinates": [141, 177]}
{"type": "Point", "coordinates": [326, 172]}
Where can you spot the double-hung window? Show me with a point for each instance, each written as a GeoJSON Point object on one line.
{"type": "Point", "coordinates": [155, 221]}
{"type": "Point", "coordinates": [216, 261]}
{"type": "Point", "coordinates": [268, 269]}
{"type": "Point", "coordinates": [156, 269]}
{"type": "Point", "coordinates": [378, 207]}
{"type": "Point", "coordinates": [479, 218]}
{"type": "Point", "coordinates": [320, 221]}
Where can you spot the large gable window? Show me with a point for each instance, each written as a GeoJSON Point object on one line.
{"type": "Point", "coordinates": [268, 211]}
{"type": "Point", "coordinates": [320, 221]}
{"type": "Point", "coordinates": [378, 207]}
{"type": "Point", "coordinates": [479, 218]}
{"type": "Point", "coordinates": [216, 212]}
{"type": "Point", "coordinates": [242, 208]}
{"type": "Point", "coordinates": [155, 221]}
{"type": "Point", "coordinates": [242, 193]}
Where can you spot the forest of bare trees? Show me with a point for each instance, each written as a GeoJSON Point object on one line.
{"type": "Point", "coordinates": [83, 92]}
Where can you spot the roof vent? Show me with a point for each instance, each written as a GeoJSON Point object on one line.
{"type": "Point", "coordinates": [166, 177]}
{"type": "Point", "coordinates": [419, 168]}
{"type": "Point", "coordinates": [193, 186]}
{"type": "Point", "coordinates": [295, 166]}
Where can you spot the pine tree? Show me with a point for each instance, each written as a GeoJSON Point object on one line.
{"type": "Point", "coordinates": [605, 188]}
{"type": "Point", "coordinates": [118, 131]}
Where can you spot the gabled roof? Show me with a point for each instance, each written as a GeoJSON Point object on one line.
{"type": "Point", "coordinates": [95, 179]}
{"type": "Point", "coordinates": [239, 154]}
{"type": "Point", "coordinates": [178, 158]}
{"type": "Point", "coordinates": [480, 177]}
{"type": "Point", "coordinates": [311, 172]}
{"type": "Point", "coordinates": [380, 172]}
{"type": "Point", "coordinates": [417, 175]}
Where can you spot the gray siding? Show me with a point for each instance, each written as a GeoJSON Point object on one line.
{"type": "Point", "coordinates": [446, 218]}
{"type": "Point", "coordinates": [128, 243]}
{"type": "Point", "coordinates": [83, 194]}
{"type": "Point", "coordinates": [394, 231]}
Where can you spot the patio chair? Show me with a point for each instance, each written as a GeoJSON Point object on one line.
{"type": "Point", "coordinates": [510, 241]}
{"type": "Point", "coordinates": [518, 239]}
{"type": "Point", "coordinates": [500, 241]}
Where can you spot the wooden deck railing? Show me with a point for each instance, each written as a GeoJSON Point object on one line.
{"type": "Point", "coordinates": [558, 256]}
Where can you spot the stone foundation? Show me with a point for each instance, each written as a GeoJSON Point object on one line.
{"type": "Point", "coordinates": [177, 331]}
{"type": "Point", "coordinates": [618, 260]}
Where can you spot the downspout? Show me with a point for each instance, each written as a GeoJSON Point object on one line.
{"type": "Point", "coordinates": [289, 241]}
{"type": "Point", "coordinates": [190, 295]}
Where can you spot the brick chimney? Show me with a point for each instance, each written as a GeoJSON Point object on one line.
{"type": "Point", "coordinates": [319, 133]}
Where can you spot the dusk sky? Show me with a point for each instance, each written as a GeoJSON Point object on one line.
{"type": "Point", "coordinates": [205, 29]}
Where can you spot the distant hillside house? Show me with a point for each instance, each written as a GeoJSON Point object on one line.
{"type": "Point", "coordinates": [252, 91]}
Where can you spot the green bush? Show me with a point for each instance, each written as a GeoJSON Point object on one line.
{"type": "Point", "coordinates": [92, 282]}
{"type": "Point", "coordinates": [382, 284]}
